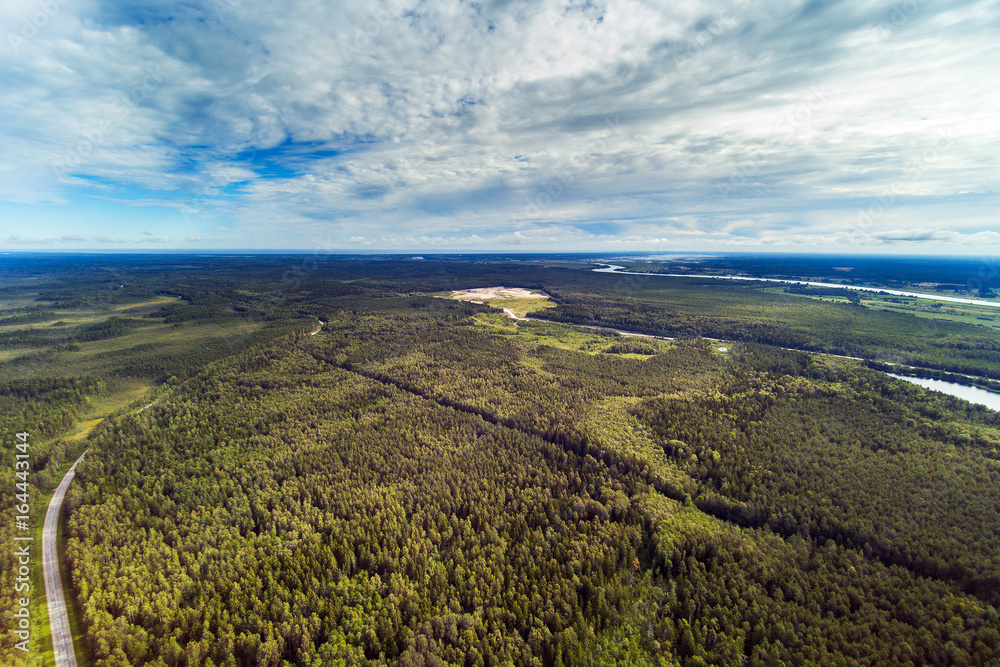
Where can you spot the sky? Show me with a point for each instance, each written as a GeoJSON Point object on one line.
{"type": "Point", "coordinates": [544, 125]}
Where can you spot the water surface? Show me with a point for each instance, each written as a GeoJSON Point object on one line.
{"type": "Point", "coordinates": [970, 394]}
{"type": "Point", "coordinates": [614, 268]}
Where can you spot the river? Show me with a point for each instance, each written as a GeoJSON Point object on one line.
{"type": "Point", "coordinates": [970, 394]}
{"type": "Point", "coordinates": [613, 268]}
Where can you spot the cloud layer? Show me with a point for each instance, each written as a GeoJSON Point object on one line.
{"type": "Point", "coordinates": [553, 125]}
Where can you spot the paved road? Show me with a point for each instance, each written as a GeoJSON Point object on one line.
{"type": "Point", "coordinates": [62, 638]}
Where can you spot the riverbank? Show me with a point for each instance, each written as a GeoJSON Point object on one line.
{"type": "Point", "coordinates": [614, 268]}
{"type": "Point", "coordinates": [965, 392]}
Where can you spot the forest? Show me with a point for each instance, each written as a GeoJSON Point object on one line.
{"type": "Point", "coordinates": [689, 307]}
{"type": "Point", "coordinates": [423, 482]}
{"type": "Point", "coordinates": [966, 276]}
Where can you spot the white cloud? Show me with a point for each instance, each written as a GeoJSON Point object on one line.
{"type": "Point", "coordinates": [509, 124]}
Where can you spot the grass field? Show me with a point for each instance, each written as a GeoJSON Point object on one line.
{"type": "Point", "coordinates": [563, 336]}
{"type": "Point", "coordinates": [967, 314]}
{"type": "Point", "coordinates": [64, 317]}
{"type": "Point", "coordinates": [93, 357]}
{"type": "Point", "coordinates": [609, 422]}
{"type": "Point", "coordinates": [983, 316]}
{"type": "Point", "coordinates": [522, 307]}
{"type": "Point", "coordinates": [134, 307]}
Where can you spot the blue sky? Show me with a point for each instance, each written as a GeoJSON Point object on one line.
{"type": "Point", "coordinates": [548, 125]}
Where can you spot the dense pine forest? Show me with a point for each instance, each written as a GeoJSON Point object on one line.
{"type": "Point", "coordinates": [425, 481]}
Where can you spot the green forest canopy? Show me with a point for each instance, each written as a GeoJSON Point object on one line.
{"type": "Point", "coordinates": [409, 487]}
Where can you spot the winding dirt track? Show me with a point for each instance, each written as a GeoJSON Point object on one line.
{"type": "Point", "coordinates": [62, 637]}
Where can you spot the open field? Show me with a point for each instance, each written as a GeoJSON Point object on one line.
{"type": "Point", "coordinates": [61, 318]}
{"type": "Point", "coordinates": [949, 312]}
{"type": "Point", "coordinates": [516, 301]}
{"type": "Point", "coordinates": [481, 294]}
{"type": "Point", "coordinates": [565, 337]}
{"type": "Point", "coordinates": [154, 340]}
{"type": "Point", "coordinates": [144, 304]}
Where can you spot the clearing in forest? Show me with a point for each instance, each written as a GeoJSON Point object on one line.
{"type": "Point", "coordinates": [517, 302]}
{"type": "Point", "coordinates": [482, 293]}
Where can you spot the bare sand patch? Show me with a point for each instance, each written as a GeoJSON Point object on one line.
{"type": "Point", "coordinates": [515, 302]}
{"type": "Point", "coordinates": [481, 294]}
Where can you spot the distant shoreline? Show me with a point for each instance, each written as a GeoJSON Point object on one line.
{"type": "Point", "coordinates": [614, 268]}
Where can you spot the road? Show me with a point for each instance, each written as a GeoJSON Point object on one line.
{"type": "Point", "coordinates": [319, 328]}
{"type": "Point", "coordinates": [62, 637]}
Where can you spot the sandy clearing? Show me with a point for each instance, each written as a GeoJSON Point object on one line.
{"type": "Point", "coordinates": [482, 293]}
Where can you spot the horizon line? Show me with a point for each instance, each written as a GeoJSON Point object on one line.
{"type": "Point", "coordinates": [439, 253]}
